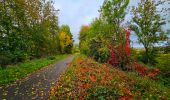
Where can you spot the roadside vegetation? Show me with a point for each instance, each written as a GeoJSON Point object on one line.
{"type": "Point", "coordinates": [108, 67]}
{"type": "Point", "coordinates": [111, 68]}
{"type": "Point", "coordinates": [107, 38]}
{"type": "Point", "coordinates": [30, 30]}
{"type": "Point", "coordinates": [16, 72]}
{"type": "Point", "coordinates": [30, 38]}
{"type": "Point", "coordinates": [88, 79]}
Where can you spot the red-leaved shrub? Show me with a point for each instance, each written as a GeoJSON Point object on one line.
{"type": "Point", "coordinates": [121, 53]}
{"type": "Point", "coordinates": [143, 71]}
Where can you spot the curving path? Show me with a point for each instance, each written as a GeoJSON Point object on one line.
{"type": "Point", "coordinates": [37, 85]}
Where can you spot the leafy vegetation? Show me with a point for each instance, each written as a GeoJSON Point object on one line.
{"type": "Point", "coordinates": [109, 69]}
{"type": "Point", "coordinates": [105, 34]}
{"type": "Point", "coordinates": [163, 64]}
{"type": "Point", "coordinates": [29, 29]}
{"type": "Point", "coordinates": [147, 24]}
{"type": "Point", "coordinates": [16, 72]}
{"type": "Point", "coordinates": [87, 79]}
{"type": "Point", "coordinates": [107, 40]}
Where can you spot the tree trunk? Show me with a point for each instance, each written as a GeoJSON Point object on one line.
{"type": "Point", "coordinates": [147, 54]}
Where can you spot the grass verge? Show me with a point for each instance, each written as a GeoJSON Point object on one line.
{"type": "Point", "coordinates": [16, 72]}
{"type": "Point", "coordinates": [87, 79]}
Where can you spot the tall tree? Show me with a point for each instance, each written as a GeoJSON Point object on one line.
{"type": "Point", "coordinates": [66, 39]}
{"type": "Point", "coordinates": [147, 24]}
{"type": "Point", "coordinates": [66, 28]}
{"type": "Point", "coordinates": [113, 12]}
{"type": "Point", "coordinates": [65, 43]}
{"type": "Point", "coordinates": [28, 28]}
{"type": "Point", "coordinates": [83, 37]}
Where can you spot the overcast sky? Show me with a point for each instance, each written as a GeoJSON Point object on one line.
{"type": "Point", "coordinates": [76, 13]}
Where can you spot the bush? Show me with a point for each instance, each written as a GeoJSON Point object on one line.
{"type": "Point", "coordinates": [20, 56]}
{"type": "Point", "coordinates": [140, 55]}
{"type": "Point", "coordinates": [98, 50]}
{"type": "Point", "coordinates": [5, 59]}
{"type": "Point", "coordinates": [9, 57]}
{"type": "Point", "coordinates": [51, 57]}
{"type": "Point", "coordinates": [136, 54]}
{"type": "Point", "coordinates": [104, 54]}
{"type": "Point", "coordinates": [84, 48]}
{"type": "Point", "coordinates": [163, 62]}
{"type": "Point", "coordinates": [167, 49]}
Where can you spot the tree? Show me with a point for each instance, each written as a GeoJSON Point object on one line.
{"type": "Point", "coordinates": [98, 28]}
{"type": "Point", "coordinates": [94, 40]}
{"type": "Point", "coordinates": [67, 31]}
{"type": "Point", "coordinates": [66, 28]}
{"type": "Point", "coordinates": [28, 29]}
{"type": "Point", "coordinates": [50, 29]}
{"type": "Point", "coordinates": [147, 24]}
{"type": "Point", "coordinates": [76, 48]}
{"type": "Point", "coordinates": [66, 42]}
{"type": "Point", "coordinates": [83, 39]}
{"type": "Point", "coordinates": [113, 12]}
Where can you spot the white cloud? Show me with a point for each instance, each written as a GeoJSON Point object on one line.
{"type": "Point", "coordinates": [81, 12]}
{"type": "Point", "coordinates": [77, 12]}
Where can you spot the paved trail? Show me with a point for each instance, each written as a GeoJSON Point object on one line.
{"type": "Point", "coordinates": [37, 85]}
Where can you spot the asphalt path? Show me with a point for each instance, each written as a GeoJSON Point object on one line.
{"type": "Point", "coordinates": [37, 85]}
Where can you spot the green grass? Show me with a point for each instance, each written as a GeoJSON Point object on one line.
{"type": "Point", "coordinates": [148, 88]}
{"type": "Point", "coordinates": [16, 72]}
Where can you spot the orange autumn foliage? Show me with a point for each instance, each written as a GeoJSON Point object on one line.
{"type": "Point", "coordinates": [86, 86]}
{"type": "Point", "coordinates": [93, 78]}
